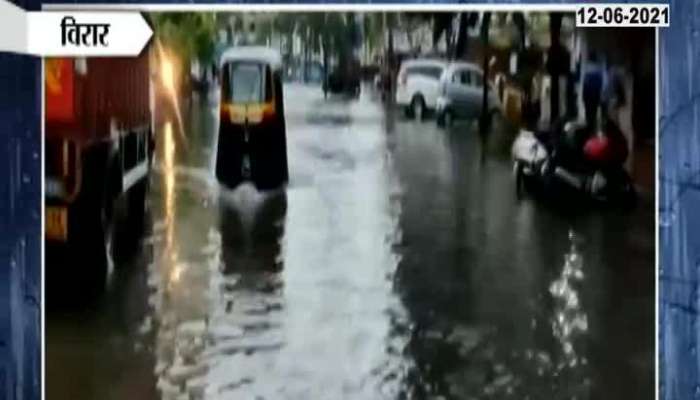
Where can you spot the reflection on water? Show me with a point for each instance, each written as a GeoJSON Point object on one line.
{"type": "Point", "coordinates": [247, 298]}
{"type": "Point", "coordinates": [570, 320]}
{"type": "Point", "coordinates": [169, 199]}
{"type": "Point", "coordinates": [395, 266]}
{"type": "Point", "coordinates": [282, 295]}
{"type": "Point", "coordinates": [497, 311]}
{"type": "Point", "coordinates": [214, 297]}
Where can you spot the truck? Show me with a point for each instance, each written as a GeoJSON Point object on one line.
{"type": "Point", "coordinates": [99, 145]}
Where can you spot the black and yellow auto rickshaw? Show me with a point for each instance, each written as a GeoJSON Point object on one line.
{"type": "Point", "coordinates": [252, 139]}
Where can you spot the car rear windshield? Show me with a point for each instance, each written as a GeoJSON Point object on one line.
{"type": "Point", "coordinates": [247, 82]}
{"type": "Point", "coordinates": [433, 72]}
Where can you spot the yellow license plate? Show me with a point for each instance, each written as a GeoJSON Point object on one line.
{"type": "Point", "coordinates": [56, 223]}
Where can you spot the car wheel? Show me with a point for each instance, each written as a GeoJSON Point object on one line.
{"type": "Point", "coordinates": [407, 111]}
{"type": "Point", "coordinates": [418, 108]}
{"type": "Point", "coordinates": [448, 119]}
{"type": "Point", "coordinates": [440, 120]}
{"type": "Point", "coordinates": [519, 180]}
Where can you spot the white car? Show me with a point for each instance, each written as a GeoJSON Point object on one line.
{"type": "Point", "coordinates": [461, 90]}
{"type": "Point", "coordinates": [417, 86]}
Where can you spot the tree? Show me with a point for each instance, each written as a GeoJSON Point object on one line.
{"type": "Point", "coordinates": [461, 47]}
{"type": "Point", "coordinates": [519, 22]}
{"type": "Point", "coordinates": [186, 37]}
{"type": "Point", "coordinates": [265, 30]}
{"type": "Point", "coordinates": [190, 35]}
{"type": "Point", "coordinates": [373, 32]}
{"type": "Point", "coordinates": [442, 25]}
{"type": "Point", "coordinates": [556, 63]}
{"type": "Point", "coordinates": [466, 21]}
{"type": "Point", "coordinates": [485, 120]}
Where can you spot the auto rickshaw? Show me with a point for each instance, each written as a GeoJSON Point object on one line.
{"type": "Point", "coordinates": [252, 134]}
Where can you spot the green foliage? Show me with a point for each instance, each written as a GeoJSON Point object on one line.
{"type": "Point", "coordinates": [188, 35]}
{"type": "Point", "coordinates": [331, 33]}
{"type": "Point", "coordinates": [371, 26]}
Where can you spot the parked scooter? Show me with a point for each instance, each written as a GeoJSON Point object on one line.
{"type": "Point", "coordinates": [575, 156]}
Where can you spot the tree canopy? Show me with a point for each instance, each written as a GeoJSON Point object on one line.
{"type": "Point", "coordinates": [189, 35]}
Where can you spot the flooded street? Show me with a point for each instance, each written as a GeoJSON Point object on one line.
{"type": "Point", "coordinates": [397, 264]}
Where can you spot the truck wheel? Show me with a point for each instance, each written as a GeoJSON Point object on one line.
{"type": "Point", "coordinates": [137, 206]}
{"type": "Point", "coordinates": [124, 231]}
{"type": "Point", "coordinates": [95, 274]}
{"type": "Point", "coordinates": [79, 271]}
{"type": "Point", "coordinates": [87, 257]}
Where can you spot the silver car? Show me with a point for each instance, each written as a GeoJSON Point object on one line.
{"type": "Point", "coordinates": [461, 94]}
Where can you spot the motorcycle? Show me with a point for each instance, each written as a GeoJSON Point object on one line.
{"type": "Point", "coordinates": [576, 158]}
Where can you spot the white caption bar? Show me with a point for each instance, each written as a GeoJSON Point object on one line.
{"type": "Point", "coordinates": [76, 34]}
{"type": "Point", "coordinates": [623, 15]}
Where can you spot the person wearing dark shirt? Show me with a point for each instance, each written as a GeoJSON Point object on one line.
{"type": "Point", "coordinates": [592, 90]}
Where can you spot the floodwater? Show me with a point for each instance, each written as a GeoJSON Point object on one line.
{"type": "Point", "coordinates": [397, 264]}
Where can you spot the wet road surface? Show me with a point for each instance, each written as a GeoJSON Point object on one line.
{"type": "Point", "coordinates": [397, 264]}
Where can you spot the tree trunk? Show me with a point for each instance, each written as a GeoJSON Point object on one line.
{"type": "Point", "coordinates": [442, 25]}
{"type": "Point", "coordinates": [389, 59]}
{"type": "Point", "coordinates": [519, 21]}
{"type": "Point", "coordinates": [485, 120]}
{"type": "Point", "coordinates": [392, 67]}
{"type": "Point", "coordinates": [555, 61]}
{"type": "Point", "coordinates": [305, 75]}
{"type": "Point", "coordinates": [461, 48]}
{"type": "Point", "coordinates": [324, 50]}
{"type": "Point", "coordinates": [449, 41]}
{"type": "Point", "coordinates": [485, 41]}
